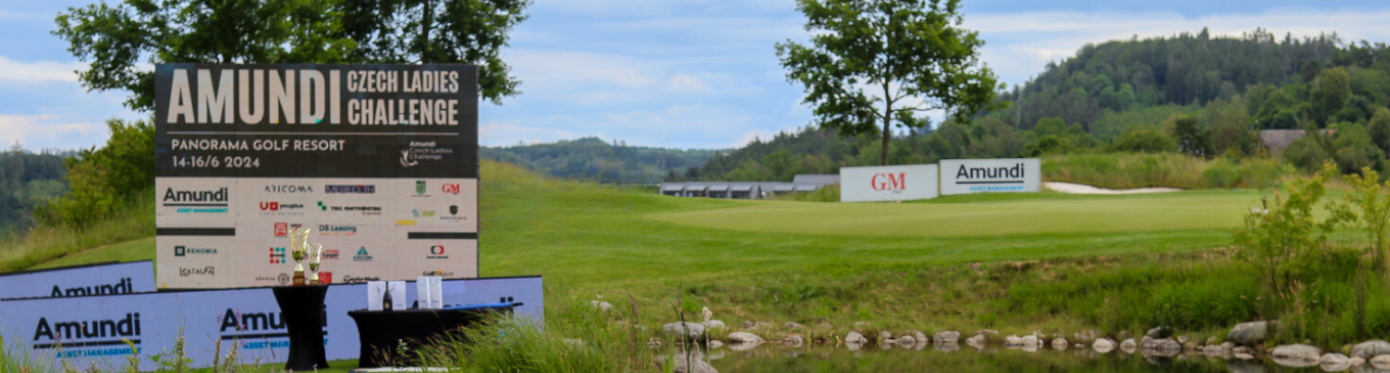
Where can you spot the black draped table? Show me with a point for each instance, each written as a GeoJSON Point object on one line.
{"type": "Point", "coordinates": [303, 312]}
{"type": "Point", "coordinates": [381, 332]}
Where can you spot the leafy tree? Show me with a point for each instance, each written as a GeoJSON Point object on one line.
{"type": "Point", "coordinates": [1279, 234]}
{"type": "Point", "coordinates": [910, 54]}
{"type": "Point", "coordinates": [117, 41]}
{"type": "Point", "coordinates": [101, 178]}
{"type": "Point", "coordinates": [1379, 128]}
{"type": "Point", "coordinates": [437, 31]}
{"type": "Point", "coordinates": [1330, 93]}
{"type": "Point", "coordinates": [1352, 148]}
{"type": "Point", "coordinates": [1144, 139]}
{"type": "Point", "coordinates": [1192, 139]}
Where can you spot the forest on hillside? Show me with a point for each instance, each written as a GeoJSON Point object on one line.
{"type": "Point", "coordinates": [1191, 93]}
{"type": "Point", "coordinates": [27, 180]}
{"type": "Point", "coordinates": [591, 158]}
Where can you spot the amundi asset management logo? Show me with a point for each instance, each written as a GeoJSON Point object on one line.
{"type": "Point", "coordinates": [197, 201]}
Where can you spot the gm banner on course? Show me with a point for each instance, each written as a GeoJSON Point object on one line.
{"type": "Point", "coordinates": [380, 161]}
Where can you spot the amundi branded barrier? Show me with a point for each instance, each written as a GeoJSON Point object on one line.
{"type": "Point", "coordinates": [965, 176]}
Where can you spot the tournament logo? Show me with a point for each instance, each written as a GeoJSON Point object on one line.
{"type": "Point", "coordinates": [362, 255]}
{"type": "Point", "coordinates": [406, 161]}
{"type": "Point", "coordinates": [277, 255]}
{"type": "Point", "coordinates": [437, 252]}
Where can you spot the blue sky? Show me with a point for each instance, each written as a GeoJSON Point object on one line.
{"type": "Point", "coordinates": [672, 73]}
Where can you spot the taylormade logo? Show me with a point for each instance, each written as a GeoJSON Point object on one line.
{"type": "Point", "coordinates": [120, 287]}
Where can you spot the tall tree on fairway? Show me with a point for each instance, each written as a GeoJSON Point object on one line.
{"type": "Point", "coordinates": [438, 31]}
{"type": "Point", "coordinates": [118, 42]}
{"type": "Point", "coordinates": [872, 63]}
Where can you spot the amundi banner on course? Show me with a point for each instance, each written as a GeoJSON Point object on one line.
{"type": "Point", "coordinates": [965, 176]}
{"type": "Point", "coordinates": [381, 161]}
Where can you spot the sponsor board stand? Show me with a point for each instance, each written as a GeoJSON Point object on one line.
{"type": "Point", "coordinates": [966, 176]}
{"type": "Point", "coordinates": [93, 279]}
{"type": "Point", "coordinates": [888, 183]}
{"type": "Point", "coordinates": [93, 329]}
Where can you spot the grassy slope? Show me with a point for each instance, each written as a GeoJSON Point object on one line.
{"type": "Point", "coordinates": [808, 262]}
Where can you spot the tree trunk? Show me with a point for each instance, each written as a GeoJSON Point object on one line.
{"type": "Point", "coordinates": [887, 121]}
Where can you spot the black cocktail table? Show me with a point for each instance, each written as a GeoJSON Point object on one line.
{"type": "Point", "coordinates": [303, 311]}
{"type": "Point", "coordinates": [381, 332]}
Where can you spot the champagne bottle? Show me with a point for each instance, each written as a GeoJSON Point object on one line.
{"type": "Point", "coordinates": [386, 301]}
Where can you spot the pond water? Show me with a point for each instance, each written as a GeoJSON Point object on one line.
{"type": "Point", "coordinates": [811, 358]}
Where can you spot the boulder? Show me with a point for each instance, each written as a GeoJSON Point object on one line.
{"type": "Point", "coordinates": [1165, 345]}
{"type": "Point", "coordinates": [1103, 345]}
{"type": "Point", "coordinates": [792, 325]}
{"type": "Point", "coordinates": [715, 343]}
{"type": "Point", "coordinates": [1296, 352]}
{"type": "Point", "coordinates": [1248, 333]}
{"type": "Point", "coordinates": [919, 336]}
{"type": "Point", "coordinates": [855, 338]}
{"type": "Point", "coordinates": [743, 337]}
{"type": "Point", "coordinates": [713, 324]}
{"type": "Point", "coordinates": [1128, 346]}
{"type": "Point", "coordinates": [1159, 332]}
{"type": "Point", "coordinates": [1356, 361]}
{"type": "Point", "coordinates": [1380, 362]}
{"type": "Point", "coordinates": [1013, 341]}
{"type": "Point", "coordinates": [1085, 336]}
{"type": "Point", "coordinates": [794, 340]}
{"type": "Point", "coordinates": [1228, 345]}
{"type": "Point", "coordinates": [884, 334]}
{"type": "Point", "coordinates": [978, 341]}
{"type": "Point", "coordinates": [691, 330]}
{"type": "Point", "coordinates": [1030, 341]}
{"type": "Point", "coordinates": [946, 337]}
{"type": "Point", "coordinates": [1213, 350]}
{"type": "Point", "coordinates": [1243, 356]}
{"type": "Point", "coordinates": [1369, 349]}
{"type": "Point", "coordinates": [907, 341]}
{"type": "Point", "coordinates": [1333, 358]}
{"type": "Point", "coordinates": [1059, 344]}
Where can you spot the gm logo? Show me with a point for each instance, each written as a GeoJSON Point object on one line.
{"type": "Point", "coordinates": [891, 182]}
{"type": "Point", "coordinates": [449, 188]}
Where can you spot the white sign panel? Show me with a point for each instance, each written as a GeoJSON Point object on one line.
{"type": "Point", "coordinates": [888, 183]}
{"type": "Point", "coordinates": [965, 176]}
{"type": "Point", "coordinates": [110, 278]}
{"type": "Point", "coordinates": [99, 330]}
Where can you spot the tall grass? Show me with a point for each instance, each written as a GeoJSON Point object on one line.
{"type": "Point", "coordinates": [576, 338]}
{"type": "Point", "coordinates": [44, 242]}
{"type": "Point", "coordinates": [1173, 170]}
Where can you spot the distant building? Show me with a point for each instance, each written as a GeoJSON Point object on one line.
{"type": "Point", "coordinates": [748, 189]}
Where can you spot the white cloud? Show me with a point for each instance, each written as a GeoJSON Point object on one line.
{"type": "Point", "coordinates": [34, 131]}
{"type": "Point", "coordinates": [38, 71]}
{"type": "Point", "coordinates": [504, 134]}
{"type": "Point", "coordinates": [686, 83]}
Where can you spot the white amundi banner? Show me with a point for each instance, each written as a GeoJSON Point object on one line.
{"type": "Point", "coordinates": [888, 183]}
{"type": "Point", "coordinates": [965, 176]}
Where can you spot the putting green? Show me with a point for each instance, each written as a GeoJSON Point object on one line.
{"type": "Point", "coordinates": [1040, 213]}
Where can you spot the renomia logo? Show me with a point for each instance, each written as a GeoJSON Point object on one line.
{"type": "Point", "coordinates": [353, 189]}
{"type": "Point", "coordinates": [990, 175]}
{"type": "Point", "coordinates": [184, 250]}
{"type": "Point", "coordinates": [888, 181]}
{"type": "Point", "coordinates": [88, 333]}
{"type": "Point", "coordinates": [120, 287]}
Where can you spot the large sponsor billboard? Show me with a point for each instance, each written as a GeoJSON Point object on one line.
{"type": "Point", "coordinates": [99, 330]}
{"type": "Point", "coordinates": [965, 176]}
{"type": "Point", "coordinates": [104, 278]}
{"type": "Point", "coordinates": [380, 161]}
{"type": "Point", "coordinates": [887, 183]}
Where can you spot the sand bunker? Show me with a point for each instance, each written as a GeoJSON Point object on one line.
{"type": "Point", "coordinates": [1087, 189]}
